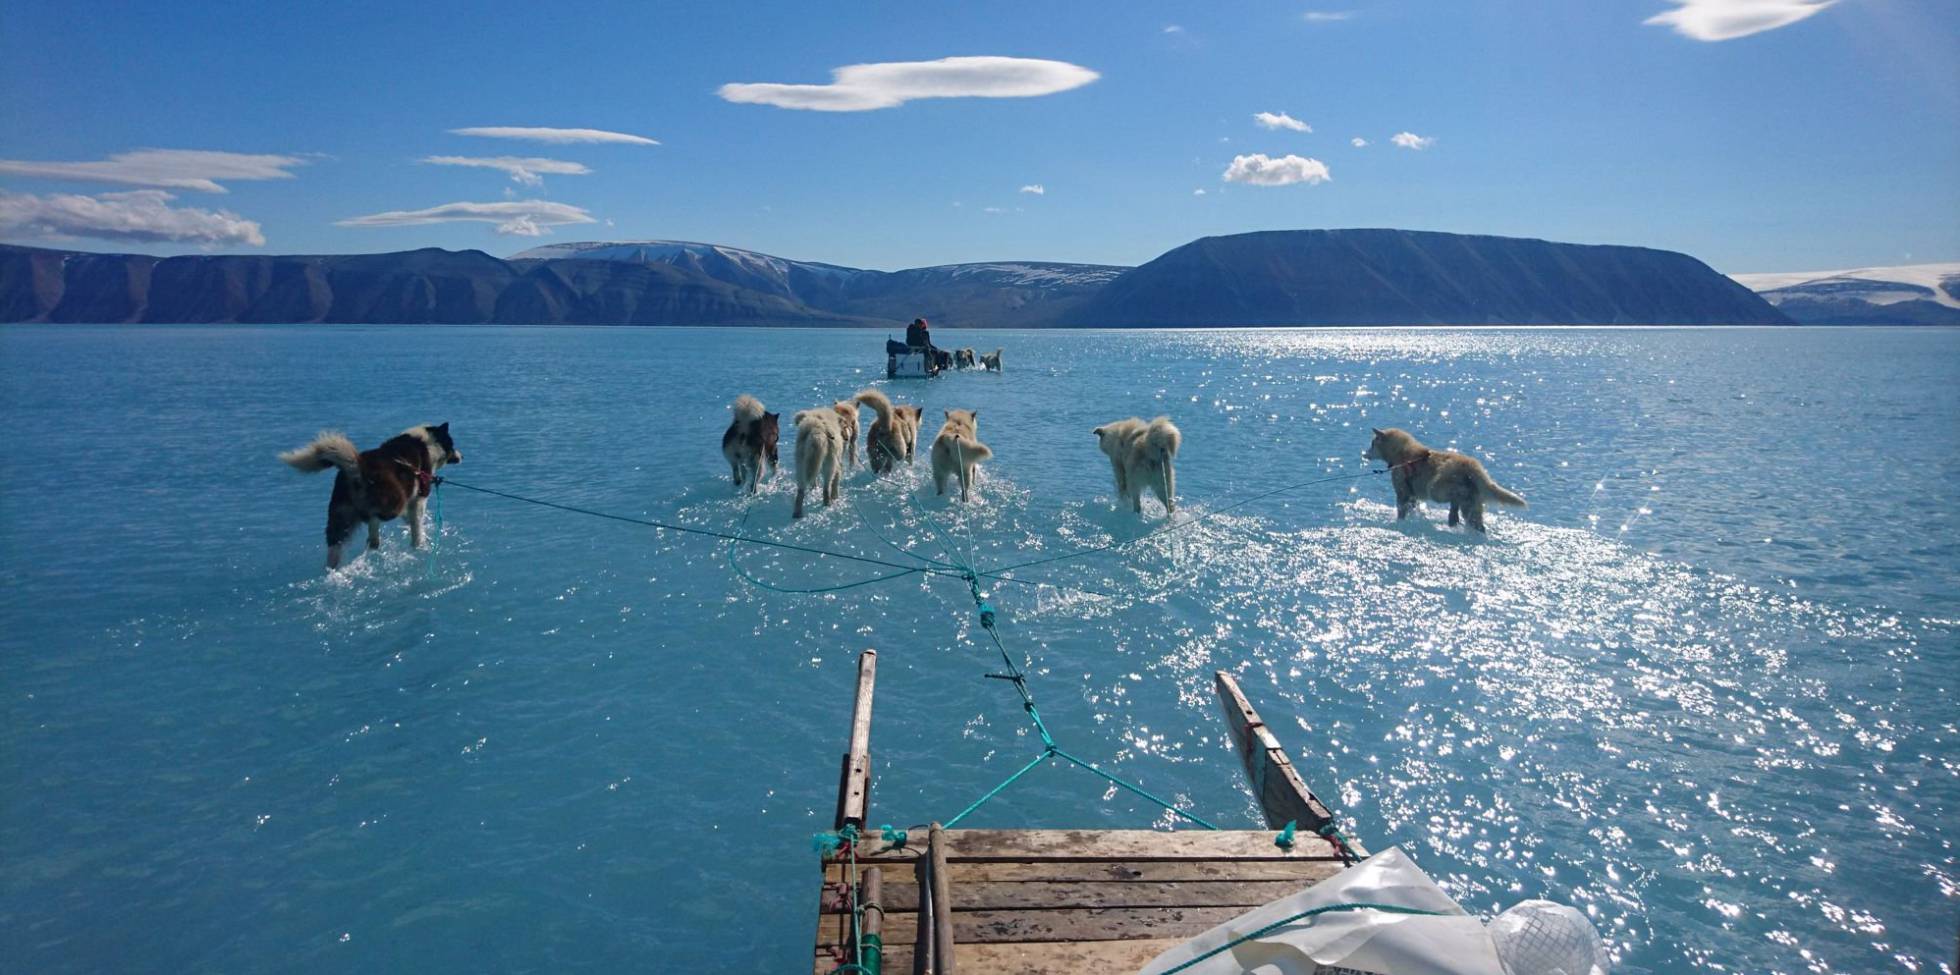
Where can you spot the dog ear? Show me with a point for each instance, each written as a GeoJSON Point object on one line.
{"type": "Point", "coordinates": [1097, 431]}
{"type": "Point", "coordinates": [1378, 430]}
{"type": "Point", "coordinates": [973, 413]}
{"type": "Point", "coordinates": [443, 426]}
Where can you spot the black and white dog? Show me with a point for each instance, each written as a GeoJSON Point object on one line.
{"type": "Point", "coordinates": [377, 485]}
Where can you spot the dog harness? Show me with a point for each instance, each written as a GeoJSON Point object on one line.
{"type": "Point", "coordinates": [425, 479]}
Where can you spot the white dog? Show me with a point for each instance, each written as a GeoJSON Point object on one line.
{"type": "Point", "coordinates": [1143, 455]}
{"type": "Point", "coordinates": [991, 360]}
{"type": "Point", "coordinates": [956, 450]}
{"type": "Point", "coordinates": [819, 455]}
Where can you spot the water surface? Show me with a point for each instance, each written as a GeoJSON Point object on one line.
{"type": "Point", "coordinates": [1702, 688]}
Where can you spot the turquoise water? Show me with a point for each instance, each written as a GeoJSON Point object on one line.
{"type": "Point", "coordinates": [1702, 688]}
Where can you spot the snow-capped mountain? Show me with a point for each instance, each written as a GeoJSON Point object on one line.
{"type": "Point", "coordinates": [1913, 294]}
{"type": "Point", "coordinates": [990, 293]}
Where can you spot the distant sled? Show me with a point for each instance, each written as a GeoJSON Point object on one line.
{"type": "Point", "coordinates": [906, 362]}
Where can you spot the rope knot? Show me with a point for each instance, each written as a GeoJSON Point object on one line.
{"type": "Point", "coordinates": [1285, 838]}
{"type": "Point", "coordinates": [896, 837]}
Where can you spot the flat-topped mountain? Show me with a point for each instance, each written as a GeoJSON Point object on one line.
{"type": "Point", "coordinates": [1302, 277]}
{"type": "Point", "coordinates": [1409, 277]}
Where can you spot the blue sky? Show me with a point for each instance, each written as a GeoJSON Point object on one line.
{"type": "Point", "coordinates": [1758, 135]}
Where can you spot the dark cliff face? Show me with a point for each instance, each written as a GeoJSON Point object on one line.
{"type": "Point", "coordinates": [1399, 277]}
{"type": "Point", "coordinates": [1308, 277]}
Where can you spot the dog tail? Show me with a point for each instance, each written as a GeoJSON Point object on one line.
{"type": "Point", "coordinates": [747, 409]}
{"type": "Point", "coordinates": [878, 402]}
{"type": "Point", "coordinates": [1495, 493]}
{"type": "Point", "coordinates": [973, 449]}
{"type": "Point", "coordinates": [1163, 438]}
{"type": "Point", "coordinates": [329, 449]}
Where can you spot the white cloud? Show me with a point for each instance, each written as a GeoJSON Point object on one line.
{"type": "Point", "coordinates": [1260, 170]}
{"type": "Point", "coordinates": [555, 136]}
{"type": "Point", "coordinates": [1173, 29]}
{"type": "Point", "coordinates": [1358, 142]}
{"type": "Point", "coordinates": [177, 169]}
{"type": "Point", "coordinates": [1410, 140]}
{"type": "Point", "coordinates": [1722, 20]}
{"type": "Point", "coordinates": [1200, 191]}
{"type": "Point", "coordinates": [1326, 16]}
{"type": "Point", "coordinates": [993, 209]}
{"type": "Point", "coordinates": [144, 215]}
{"type": "Point", "coordinates": [862, 87]}
{"type": "Point", "coordinates": [525, 170]}
{"type": "Point", "coordinates": [1035, 188]}
{"type": "Point", "coordinates": [1269, 120]}
{"type": "Point", "coordinates": [520, 218]}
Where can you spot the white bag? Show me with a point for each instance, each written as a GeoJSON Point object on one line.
{"type": "Point", "coordinates": [1530, 938]}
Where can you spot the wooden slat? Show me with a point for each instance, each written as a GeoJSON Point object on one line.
{"type": "Point", "coordinates": [1045, 895]}
{"type": "Point", "coordinates": [1129, 845]}
{"type": "Point", "coordinates": [944, 935]}
{"type": "Point", "coordinates": [1301, 870]}
{"type": "Point", "coordinates": [854, 785]}
{"type": "Point", "coordinates": [1069, 924]}
{"type": "Point", "coordinates": [1282, 794]}
{"type": "Point", "coordinates": [1034, 958]}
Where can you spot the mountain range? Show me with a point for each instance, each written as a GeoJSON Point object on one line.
{"type": "Point", "coordinates": [1301, 277]}
{"type": "Point", "coordinates": [1913, 294]}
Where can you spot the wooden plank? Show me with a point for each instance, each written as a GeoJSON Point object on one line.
{"type": "Point", "coordinates": [1302, 870]}
{"type": "Point", "coordinates": [872, 898]}
{"type": "Point", "coordinates": [1282, 794]}
{"type": "Point", "coordinates": [943, 934]}
{"type": "Point", "coordinates": [1128, 845]}
{"type": "Point", "coordinates": [1047, 895]}
{"type": "Point", "coordinates": [1036, 957]}
{"type": "Point", "coordinates": [1069, 924]}
{"type": "Point", "coordinates": [854, 787]}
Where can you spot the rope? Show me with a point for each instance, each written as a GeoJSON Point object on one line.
{"type": "Point", "coordinates": [729, 552]}
{"type": "Point", "coordinates": [1289, 919]}
{"type": "Point", "coordinates": [665, 526]}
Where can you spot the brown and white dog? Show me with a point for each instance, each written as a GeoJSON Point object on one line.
{"type": "Point", "coordinates": [750, 442]}
{"type": "Point", "coordinates": [1143, 455]}
{"type": "Point", "coordinates": [377, 485]}
{"type": "Point", "coordinates": [893, 435]}
{"type": "Point", "coordinates": [1444, 476]}
{"type": "Point", "coordinates": [991, 360]}
{"type": "Point", "coordinates": [819, 455]}
{"type": "Point", "coordinates": [964, 358]}
{"type": "Point", "coordinates": [956, 450]}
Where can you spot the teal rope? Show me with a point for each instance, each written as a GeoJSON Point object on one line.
{"type": "Point", "coordinates": [735, 565]}
{"type": "Point", "coordinates": [1303, 915]}
{"type": "Point", "coordinates": [996, 790]}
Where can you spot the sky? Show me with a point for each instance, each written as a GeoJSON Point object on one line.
{"type": "Point", "coordinates": [1757, 135]}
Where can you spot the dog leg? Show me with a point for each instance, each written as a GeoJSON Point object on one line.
{"type": "Point", "coordinates": [333, 557]}
{"type": "Point", "coordinates": [374, 534]}
{"type": "Point", "coordinates": [966, 483]}
{"type": "Point", "coordinates": [1474, 514]}
{"type": "Point", "coordinates": [1163, 493]}
{"type": "Point", "coordinates": [797, 512]}
{"type": "Point", "coordinates": [417, 536]}
{"type": "Point", "coordinates": [1453, 510]}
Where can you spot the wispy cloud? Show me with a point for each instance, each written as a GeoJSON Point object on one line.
{"type": "Point", "coordinates": [519, 218]}
{"type": "Point", "coordinates": [1036, 188]}
{"type": "Point", "coordinates": [1173, 28]}
{"type": "Point", "coordinates": [1723, 20]}
{"type": "Point", "coordinates": [862, 87]}
{"type": "Point", "coordinates": [1200, 191]}
{"type": "Point", "coordinates": [1326, 16]}
{"type": "Point", "coordinates": [177, 169]}
{"type": "Point", "coordinates": [140, 215]}
{"type": "Point", "coordinates": [1280, 120]}
{"type": "Point", "coordinates": [555, 136]}
{"type": "Point", "coordinates": [1259, 169]}
{"type": "Point", "coordinates": [525, 170]}
{"type": "Point", "coordinates": [1410, 140]}
{"type": "Point", "coordinates": [1358, 142]}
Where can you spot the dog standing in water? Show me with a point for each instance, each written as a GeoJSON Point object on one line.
{"type": "Point", "coordinates": [964, 358]}
{"type": "Point", "coordinates": [847, 424]}
{"type": "Point", "coordinates": [956, 450]}
{"type": "Point", "coordinates": [991, 360]}
{"type": "Point", "coordinates": [377, 485]}
{"type": "Point", "coordinates": [893, 435]}
{"type": "Point", "coordinates": [1143, 455]}
{"type": "Point", "coordinates": [1443, 476]}
{"type": "Point", "coordinates": [750, 442]}
{"type": "Point", "coordinates": [819, 455]}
